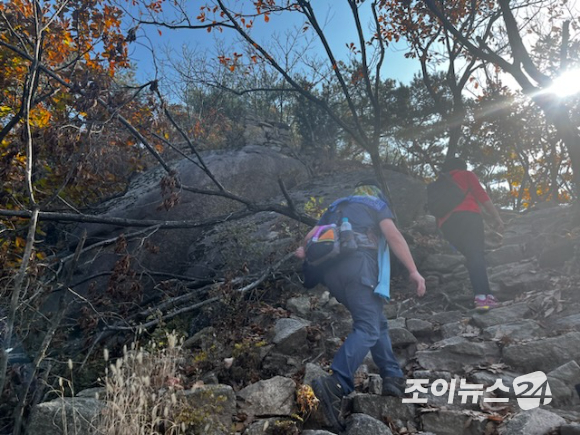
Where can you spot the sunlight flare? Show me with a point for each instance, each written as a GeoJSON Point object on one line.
{"type": "Point", "coordinates": [567, 84]}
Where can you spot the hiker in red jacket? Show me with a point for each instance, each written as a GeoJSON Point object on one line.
{"type": "Point", "coordinates": [463, 228]}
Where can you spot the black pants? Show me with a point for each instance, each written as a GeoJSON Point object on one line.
{"type": "Point", "coordinates": [464, 230]}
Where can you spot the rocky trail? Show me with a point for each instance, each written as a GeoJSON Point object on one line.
{"type": "Point", "coordinates": [470, 364]}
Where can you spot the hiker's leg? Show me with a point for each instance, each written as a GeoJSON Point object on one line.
{"type": "Point", "coordinates": [475, 255]}
{"type": "Point", "coordinates": [382, 352]}
{"type": "Point", "coordinates": [464, 230]}
{"type": "Point", "coordinates": [365, 308]}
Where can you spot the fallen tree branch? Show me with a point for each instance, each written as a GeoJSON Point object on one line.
{"type": "Point", "coordinates": [268, 271]}
{"type": "Point", "coordinates": [193, 307]}
{"type": "Point", "coordinates": [168, 316]}
{"type": "Point", "coordinates": [164, 225]}
{"type": "Point", "coordinates": [108, 242]}
{"type": "Point", "coordinates": [174, 302]}
{"type": "Point", "coordinates": [121, 222]}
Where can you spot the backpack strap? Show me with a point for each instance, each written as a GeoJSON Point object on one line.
{"type": "Point", "coordinates": [336, 209]}
{"type": "Point", "coordinates": [376, 204]}
{"type": "Point", "coordinates": [450, 177]}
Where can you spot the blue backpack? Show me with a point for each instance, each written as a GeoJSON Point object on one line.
{"type": "Point", "coordinates": [324, 248]}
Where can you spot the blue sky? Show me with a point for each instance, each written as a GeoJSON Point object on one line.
{"type": "Point", "coordinates": [334, 15]}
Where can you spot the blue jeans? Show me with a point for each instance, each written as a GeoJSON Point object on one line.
{"type": "Point", "coordinates": [464, 230]}
{"type": "Point", "coordinates": [351, 281]}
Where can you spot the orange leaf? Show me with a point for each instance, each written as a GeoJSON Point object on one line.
{"type": "Point", "coordinates": [266, 18]}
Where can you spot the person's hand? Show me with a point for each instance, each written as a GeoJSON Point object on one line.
{"type": "Point", "coordinates": [300, 252]}
{"type": "Point", "coordinates": [419, 282]}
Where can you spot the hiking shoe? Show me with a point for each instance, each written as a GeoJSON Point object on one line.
{"type": "Point", "coordinates": [485, 302]}
{"type": "Point", "coordinates": [330, 393]}
{"type": "Point", "coordinates": [393, 386]}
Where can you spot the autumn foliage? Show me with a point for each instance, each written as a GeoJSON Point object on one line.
{"type": "Point", "coordinates": [61, 65]}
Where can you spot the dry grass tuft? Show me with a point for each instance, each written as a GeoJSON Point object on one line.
{"type": "Point", "coordinates": [142, 392]}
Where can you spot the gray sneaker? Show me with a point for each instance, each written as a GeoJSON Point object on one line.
{"type": "Point", "coordinates": [330, 393]}
{"type": "Point", "coordinates": [394, 386]}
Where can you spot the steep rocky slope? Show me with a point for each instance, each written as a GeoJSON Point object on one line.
{"type": "Point", "coordinates": [287, 335]}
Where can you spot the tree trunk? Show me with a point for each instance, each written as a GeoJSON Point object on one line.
{"type": "Point", "coordinates": [557, 114]}
{"type": "Point", "coordinates": [554, 171]}
{"type": "Point", "coordinates": [455, 123]}
{"type": "Point", "coordinates": [454, 135]}
{"type": "Point", "coordinates": [569, 136]}
{"type": "Point", "coordinates": [559, 117]}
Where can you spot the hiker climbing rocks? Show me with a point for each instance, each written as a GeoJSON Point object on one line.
{"type": "Point", "coordinates": [359, 280]}
{"type": "Point", "coordinates": [463, 228]}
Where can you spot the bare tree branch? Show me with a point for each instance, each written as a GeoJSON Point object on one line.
{"type": "Point", "coordinates": [382, 54]}
{"type": "Point", "coordinates": [482, 52]}
{"type": "Point", "coordinates": [48, 337]}
{"type": "Point", "coordinates": [186, 25]}
{"type": "Point", "coordinates": [121, 222]}
{"type": "Point", "coordinates": [161, 224]}
{"type": "Point", "coordinates": [564, 46]}
{"type": "Point", "coordinates": [363, 48]}
{"type": "Point", "coordinates": [202, 164]}
{"type": "Point", "coordinates": [360, 134]}
{"type": "Point", "coordinates": [519, 51]}
{"type": "Point", "coordinates": [291, 205]}
{"type": "Point", "coordinates": [198, 305]}
{"type": "Point", "coordinates": [308, 95]}
{"type": "Point", "coordinates": [18, 285]}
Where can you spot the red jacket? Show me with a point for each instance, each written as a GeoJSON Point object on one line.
{"type": "Point", "coordinates": [476, 195]}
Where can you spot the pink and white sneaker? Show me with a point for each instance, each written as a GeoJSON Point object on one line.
{"type": "Point", "coordinates": [485, 302]}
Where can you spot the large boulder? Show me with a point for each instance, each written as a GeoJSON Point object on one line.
{"type": "Point", "coordinates": [532, 422]}
{"type": "Point", "coordinates": [510, 280]}
{"type": "Point", "coordinates": [65, 415]}
{"type": "Point", "coordinates": [362, 424]}
{"type": "Point", "coordinates": [269, 397]}
{"type": "Point", "coordinates": [545, 354]}
{"type": "Point", "coordinates": [453, 354]}
{"type": "Point", "coordinates": [255, 240]}
{"type": "Point", "coordinates": [214, 406]}
{"type": "Point", "coordinates": [251, 173]}
{"type": "Point", "coordinates": [451, 422]}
